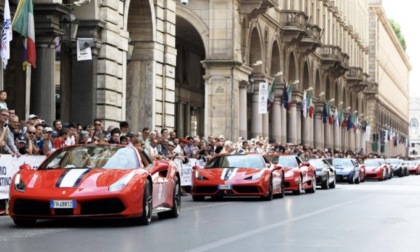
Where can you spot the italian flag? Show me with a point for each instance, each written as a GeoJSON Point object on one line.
{"type": "Point", "coordinates": [23, 23]}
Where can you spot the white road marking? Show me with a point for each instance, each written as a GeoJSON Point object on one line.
{"type": "Point", "coordinates": [256, 231]}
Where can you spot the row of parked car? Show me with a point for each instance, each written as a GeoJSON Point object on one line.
{"type": "Point", "coordinates": [117, 182]}
{"type": "Point", "coordinates": [273, 174]}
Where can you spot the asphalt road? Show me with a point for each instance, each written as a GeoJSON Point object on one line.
{"type": "Point", "coordinates": [372, 216]}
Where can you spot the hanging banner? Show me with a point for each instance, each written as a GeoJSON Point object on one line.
{"type": "Point", "coordinates": [262, 98]}
{"type": "Point", "coordinates": [9, 166]}
{"type": "Point", "coordinates": [83, 48]}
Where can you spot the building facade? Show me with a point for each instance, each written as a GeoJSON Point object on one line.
{"type": "Point", "coordinates": [388, 100]}
{"type": "Point", "coordinates": [197, 68]}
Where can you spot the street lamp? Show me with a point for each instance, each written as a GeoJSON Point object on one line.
{"type": "Point", "coordinates": [70, 25]}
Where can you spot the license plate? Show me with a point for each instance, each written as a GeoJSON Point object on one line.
{"type": "Point", "coordinates": [225, 187]}
{"type": "Point", "coordinates": [62, 204]}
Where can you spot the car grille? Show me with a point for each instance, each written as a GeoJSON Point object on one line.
{"type": "Point", "coordinates": [40, 208]}
{"type": "Point", "coordinates": [31, 207]}
{"type": "Point", "coordinates": [286, 184]}
{"type": "Point", "coordinates": [246, 189]}
{"type": "Point", "coordinates": [105, 206]}
{"type": "Point", "coordinates": [370, 175]}
{"type": "Point", "coordinates": [205, 189]}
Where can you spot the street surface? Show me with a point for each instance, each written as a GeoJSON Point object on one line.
{"type": "Point", "coordinates": [372, 216]}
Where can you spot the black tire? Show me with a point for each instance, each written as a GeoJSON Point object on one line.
{"type": "Point", "coordinates": [299, 190]}
{"type": "Point", "coordinates": [198, 198]}
{"type": "Point", "coordinates": [281, 195]}
{"type": "Point", "coordinates": [326, 184]}
{"type": "Point", "coordinates": [269, 197]}
{"type": "Point", "coordinates": [24, 222]}
{"type": "Point", "coordinates": [352, 180]}
{"type": "Point", "coordinates": [357, 181]}
{"type": "Point", "coordinates": [176, 202]}
{"type": "Point", "coordinates": [332, 184]}
{"type": "Point", "coordinates": [313, 188]}
{"type": "Point", "coordinates": [146, 217]}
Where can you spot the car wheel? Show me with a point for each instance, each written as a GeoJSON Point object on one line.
{"type": "Point", "coordinates": [357, 180]}
{"type": "Point", "coordinates": [24, 222]}
{"type": "Point", "coordinates": [281, 195]}
{"type": "Point", "coordinates": [146, 217]}
{"type": "Point", "coordinates": [332, 184]}
{"type": "Point", "coordinates": [299, 190]}
{"type": "Point", "coordinates": [269, 197]}
{"type": "Point", "coordinates": [176, 202]}
{"type": "Point", "coordinates": [352, 180]}
{"type": "Point", "coordinates": [313, 188]}
{"type": "Point", "coordinates": [198, 198]}
{"type": "Point", "coordinates": [326, 184]}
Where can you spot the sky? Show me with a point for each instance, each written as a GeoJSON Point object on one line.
{"type": "Point", "coordinates": [405, 13]}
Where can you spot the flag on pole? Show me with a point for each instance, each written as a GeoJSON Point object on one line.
{"type": "Point", "coordinates": [311, 108]}
{"type": "Point", "coordinates": [6, 34]}
{"type": "Point", "coordinates": [349, 122]}
{"type": "Point", "coordinates": [304, 105]}
{"type": "Point", "coordinates": [270, 100]}
{"type": "Point", "coordinates": [23, 23]}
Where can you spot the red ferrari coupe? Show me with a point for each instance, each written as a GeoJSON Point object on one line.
{"type": "Point", "coordinates": [237, 175]}
{"type": "Point", "coordinates": [375, 170]}
{"type": "Point", "coordinates": [413, 167]}
{"type": "Point", "coordinates": [299, 175]}
{"type": "Point", "coordinates": [95, 181]}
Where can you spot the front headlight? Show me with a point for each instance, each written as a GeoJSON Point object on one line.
{"type": "Point", "coordinates": [19, 185]}
{"type": "Point", "coordinates": [289, 174]}
{"type": "Point", "coordinates": [120, 184]}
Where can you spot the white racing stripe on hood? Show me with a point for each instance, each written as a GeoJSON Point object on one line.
{"type": "Point", "coordinates": [71, 177]}
{"type": "Point", "coordinates": [228, 173]}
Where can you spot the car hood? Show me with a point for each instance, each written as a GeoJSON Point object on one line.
{"type": "Point", "coordinates": [230, 173]}
{"type": "Point", "coordinates": [370, 168]}
{"type": "Point", "coordinates": [72, 178]}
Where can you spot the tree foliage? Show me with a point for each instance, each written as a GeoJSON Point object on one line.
{"type": "Point", "coordinates": [397, 30]}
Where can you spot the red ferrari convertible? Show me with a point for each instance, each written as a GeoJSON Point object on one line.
{"type": "Point", "coordinates": [237, 175]}
{"type": "Point", "coordinates": [299, 175]}
{"type": "Point", "coordinates": [95, 181]}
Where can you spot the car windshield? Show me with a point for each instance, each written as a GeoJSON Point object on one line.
{"type": "Point", "coordinates": [285, 161]}
{"type": "Point", "coordinates": [393, 161]}
{"type": "Point", "coordinates": [317, 163]}
{"type": "Point", "coordinates": [372, 162]}
{"type": "Point", "coordinates": [341, 162]}
{"type": "Point", "coordinates": [236, 161]}
{"type": "Point", "coordinates": [92, 156]}
{"type": "Point", "coordinates": [411, 162]}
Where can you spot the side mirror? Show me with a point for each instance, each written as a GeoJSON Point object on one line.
{"type": "Point", "coordinates": [195, 167]}
{"type": "Point", "coordinates": [25, 167]}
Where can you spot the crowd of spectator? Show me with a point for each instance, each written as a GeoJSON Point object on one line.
{"type": "Point", "coordinates": [34, 136]}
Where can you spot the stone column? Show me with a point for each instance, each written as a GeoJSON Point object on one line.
{"type": "Point", "coordinates": [311, 126]}
{"type": "Point", "coordinates": [265, 126]}
{"type": "Point", "coordinates": [292, 124]}
{"type": "Point", "coordinates": [256, 124]}
{"type": "Point", "coordinates": [243, 130]}
{"type": "Point", "coordinates": [352, 138]}
{"type": "Point", "coordinates": [92, 81]}
{"type": "Point", "coordinates": [337, 136]}
{"type": "Point", "coordinates": [298, 123]}
{"type": "Point", "coordinates": [283, 127]}
{"type": "Point", "coordinates": [276, 126]}
{"type": "Point", "coordinates": [306, 131]}
{"type": "Point", "coordinates": [319, 127]}
{"type": "Point", "coordinates": [47, 23]}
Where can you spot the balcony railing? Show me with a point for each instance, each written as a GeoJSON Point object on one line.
{"type": "Point", "coordinates": [294, 18]}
